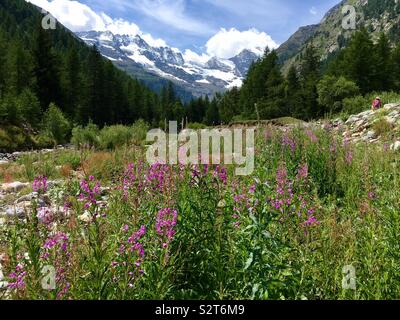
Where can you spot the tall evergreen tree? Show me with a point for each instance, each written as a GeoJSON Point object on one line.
{"type": "Point", "coordinates": [310, 74]}
{"type": "Point", "coordinates": [293, 97]}
{"type": "Point", "coordinates": [383, 72]}
{"type": "Point", "coordinates": [72, 82]}
{"type": "Point", "coordinates": [46, 68]}
{"type": "Point", "coordinates": [359, 62]}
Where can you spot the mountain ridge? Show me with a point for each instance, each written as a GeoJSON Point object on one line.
{"type": "Point", "coordinates": [329, 37]}
{"type": "Point", "coordinates": [133, 53]}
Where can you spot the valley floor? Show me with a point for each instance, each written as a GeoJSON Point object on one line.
{"type": "Point", "coordinates": [318, 219]}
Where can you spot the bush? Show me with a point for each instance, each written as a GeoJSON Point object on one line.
{"type": "Point", "coordinates": [382, 127]}
{"type": "Point", "coordinates": [13, 138]}
{"type": "Point", "coordinates": [55, 125]}
{"type": "Point", "coordinates": [139, 132]}
{"type": "Point", "coordinates": [115, 136]}
{"type": "Point", "coordinates": [332, 91]}
{"type": "Point", "coordinates": [88, 135]}
{"type": "Point", "coordinates": [45, 141]}
{"type": "Point", "coordinates": [110, 137]}
{"type": "Point", "coordinates": [355, 105]}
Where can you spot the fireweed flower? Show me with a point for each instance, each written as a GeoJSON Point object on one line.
{"type": "Point", "coordinates": [157, 176]}
{"type": "Point", "coordinates": [90, 196]}
{"type": "Point", "coordinates": [40, 184]}
{"type": "Point", "coordinates": [311, 135]}
{"type": "Point", "coordinates": [289, 199]}
{"type": "Point", "coordinates": [165, 222]}
{"type": "Point", "coordinates": [371, 195]}
{"type": "Point", "coordinates": [349, 157]}
{"type": "Point", "coordinates": [221, 174]}
{"type": "Point", "coordinates": [303, 172]}
{"type": "Point", "coordinates": [130, 257]}
{"type": "Point", "coordinates": [289, 142]}
{"type": "Point", "coordinates": [17, 278]}
{"type": "Point", "coordinates": [45, 216]}
{"type": "Point", "coordinates": [56, 252]}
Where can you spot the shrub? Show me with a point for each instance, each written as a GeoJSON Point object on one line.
{"type": "Point", "coordinates": [55, 124]}
{"type": "Point", "coordinates": [114, 136]}
{"type": "Point", "coordinates": [139, 132]}
{"type": "Point", "coordinates": [382, 127]}
{"type": "Point", "coordinates": [332, 91]}
{"type": "Point", "coordinates": [356, 105]}
{"type": "Point", "coordinates": [88, 135]}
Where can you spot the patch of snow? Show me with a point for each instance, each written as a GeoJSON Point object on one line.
{"type": "Point", "coordinates": [235, 83]}
{"type": "Point", "coordinates": [139, 58]}
{"type": "Point", "coordinates": [218, 74]}
{"type": "Point", "coordinates": [109, 58]}
{"type": "Point", "coordinates": [203, 81]}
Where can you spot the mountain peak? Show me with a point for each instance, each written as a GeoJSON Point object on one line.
{"type": "Point", "coordinates": [130, 52]}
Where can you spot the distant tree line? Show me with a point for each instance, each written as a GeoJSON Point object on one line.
{"type": "Point", "coordinates": [42, 68]}
{"type": "Point", "coordinates": [312, 89]}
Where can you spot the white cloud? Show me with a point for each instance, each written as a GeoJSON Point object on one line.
{"type": "Point", "coordinates": [172, 13]}
{"type": "Point", "coordinates": [229, 43]}
{"type": "Point", "coordinates": [152, 41]}
{"type": "Point", "coordinates": [314, 11]}
{"type": "Point", "coordinates": [79, 17]}
{"type": "Point", "coordinates": [193, 57]}
{"type": "Point", "coordinates": [74, 15]}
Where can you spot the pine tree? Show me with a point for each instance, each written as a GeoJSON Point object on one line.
{"type": "Point", "coordinates": [359, 62]}
{"type": "Point", "coordinates": [310, 73]}
{"type": "Point", "coordinates": [19, 68]}
{"type": "Point", "coordinates": [292, 94]}
{"type": "Point", "coordinates": [383, 52]}
{"type": "Point", "coordinates": [3, 50]}
{"type": "Point", "coordinates": [72, 82]}
{"type": "Point", "coordinates": [46, 69]}
{"type": "Point", "coordinates": [396, 68]}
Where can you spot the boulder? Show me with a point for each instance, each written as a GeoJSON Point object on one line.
{"type": "Point", "coordinates": [16, 212]}
{"type": "Point", "coordinates": [13, 187]}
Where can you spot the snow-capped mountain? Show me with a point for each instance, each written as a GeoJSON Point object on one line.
{"type": "Point", "coordinates": [199, 78]}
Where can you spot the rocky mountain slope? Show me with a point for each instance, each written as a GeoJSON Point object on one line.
{"type": "Point", "coordinates": [329, 36]}
{"type": "Point", "coordinates": [137, 57]}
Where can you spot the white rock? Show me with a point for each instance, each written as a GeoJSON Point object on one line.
{"type": "Point", "coordinates": [395, 146]}
{"type": "Point", "coordinates": [13, 186]}
{"type": "Point", "coordinates": [15, 212]}
{"type": "Point", "coordinates": [352, 119]}
{"type": "Point", "coordinates": [3, 162]}
{"type": "Point", "coordinates": [391, 120]}
{"type": "Point", "coordinates": [390, 106]}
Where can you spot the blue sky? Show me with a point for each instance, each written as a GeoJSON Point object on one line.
{"type": "Point", "coordinates": [194, 24]}
{"type": "Point", "coordinates": [278, 18]}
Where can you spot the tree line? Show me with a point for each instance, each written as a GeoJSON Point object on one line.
{"type": "Point", "coordinates": [313, 89]}
{"type": "Point", "coordinates": [42, 68]}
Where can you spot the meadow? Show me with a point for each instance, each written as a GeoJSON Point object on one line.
{"type": "Point", "coordinates": [316, 208]}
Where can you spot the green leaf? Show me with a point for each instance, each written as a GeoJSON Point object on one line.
{"type": "Point", "coordinates": [249, 261]}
